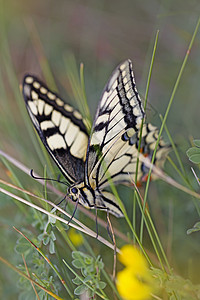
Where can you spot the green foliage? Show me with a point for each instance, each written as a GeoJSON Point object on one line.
{"type": "Point", "coordinates": [48, 237]}
{"type": "Point", "coordinates": [195, 228]}
{"type": "Point", "coordinates": [193, 153]}
{"type": "Point", "coordinates": [37, 266]}
{"type": "Point", "coordinates": [26, 36]}
{"type": "Point", "coordinates": [90, 270]}
{"type": "Point", "coordinates": [175, 287]}
{"type": "Point", "coordinates": [45, 225]}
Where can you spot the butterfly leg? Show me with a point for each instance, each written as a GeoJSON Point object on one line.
{"type": "Point", "coordinates": [96, 221]}
{"type": "Point", "coordinates": [76, 205]}
{"type": "Point", "coordinates": [111, 232]}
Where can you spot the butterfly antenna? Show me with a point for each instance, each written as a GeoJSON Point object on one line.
{"type": "Point", "coordinates": [111, 231]}
{"type": "Point", "coordinates": [76, 205]}
{"type": "Point", "coordinates": [54, 208]}
{"type": "Point", "coordinates": [44, 178]}
{"type": "Point", "coordinates": [62, 200]}
{"type": "Point", "coordinates": [67, 200]}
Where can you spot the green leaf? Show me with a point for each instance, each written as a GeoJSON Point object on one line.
{"type": "Point", "coordinates": [40, 237]}
{"type": "Point", "coordinates": [48, 228]}
{"type": "Point", "coordinates": [194, 155]}
{"type": "Point", "coordinates": [77, 281]}
{"type": "Point", "coordinates": [88, 278]}
{"type": "Point", "coordinates": [52, 220]}
{"type": "Point", "coordinates": [52, 236]}
{"type": "Point", "coordinates": [193, 151]}
{"type": "Point", "coordinates": [78, 255]}
{"type": "Point", "coordinates": [197, 143]}
{"type": "Point", "coordinates": [101, 285]}
{"type": "Point", "coordinates": [46, 240]}
{"type": "Point", "coordinates": [88, 260]}
{"type": "Point", "coordinates": [78, 264]}
{"type": "Point", "coordinates": [89, 269]}
{"type": "Point", "coordinates": [195, 158]}
{"type": "Point", "coordinates": [80, 289]}
{"type": "Point", "coordinates": [195, 228]}
{"type": "Point", "coordinates": [91, 293]}
{"type": "Point", "coordinates": [52, 247]}
{"type": "Point", "coordinates": [100, 265]}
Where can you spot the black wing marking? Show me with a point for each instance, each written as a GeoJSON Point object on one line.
{"type": "Point", "coordinates": [59, 126]}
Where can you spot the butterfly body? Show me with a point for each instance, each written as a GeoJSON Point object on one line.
{"type": "Point", "coordinates": [110, 151]}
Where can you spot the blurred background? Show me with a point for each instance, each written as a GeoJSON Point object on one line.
{"type": "Point", "coordinates": [38, 37]}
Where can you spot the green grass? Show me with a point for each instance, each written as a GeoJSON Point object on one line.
{"type": "Point", "coordinates": [38, 259]}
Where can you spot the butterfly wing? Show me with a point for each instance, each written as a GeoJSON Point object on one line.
{"type": "Point", "coordinates": [60, 127]}
{"type": "Point", "coordinates": [120, 110]}
{"type": "Point", "coordinates": [122, 167]}
{"type": "Point", "coordinates": [113, 145]}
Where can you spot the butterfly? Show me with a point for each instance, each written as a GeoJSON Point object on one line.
{"type": "Point", "coordinates": [89, 160]}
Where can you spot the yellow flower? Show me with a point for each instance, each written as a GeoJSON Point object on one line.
{"type": "Point", "coordinates": [75, 237]}
{"type": "Point", "coordinates": [130, 256]}
{"type": "Point", "coordinates": [135, 281]}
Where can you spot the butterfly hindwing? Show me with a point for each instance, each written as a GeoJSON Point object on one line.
{"type": "Point", "coordinates": [121, 168]}
{"type": "Point", "coordinates": [59, 126]}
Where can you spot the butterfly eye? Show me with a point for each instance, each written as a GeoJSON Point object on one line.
{"type": "Point", "coordinates": [74, 190]}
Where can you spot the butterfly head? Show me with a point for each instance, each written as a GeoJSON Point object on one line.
{"type": "Point", "coordinates": [74, 193]}
{"type": "Point", "coordinates": [82, 194]}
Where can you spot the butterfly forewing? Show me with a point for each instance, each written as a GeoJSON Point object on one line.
{"type": "Point", "coordinates": [120, 110]}
{"type": "Point", "coordinates": [59, 126]}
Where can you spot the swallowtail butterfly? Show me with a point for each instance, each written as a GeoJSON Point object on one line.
{"type": "Point", "coordinates": [110, 151]}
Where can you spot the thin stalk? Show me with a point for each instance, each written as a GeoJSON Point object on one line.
{"type": "Point", "coordinates": [48, 261]}
{"type": "Point", "coordinates": [184, 177]}
{"type": "Point", "coordinates": [29, 278]}
{"type": "Point", "coordinates": [148, 228]}
{"type": "Point", "coordinates": [105, 274]}
{"type": "Point", "coordinates": [159, 243]}
{"type": "Point", "coordinates": [145, 104]}
{"type": "Point", "coordinates": [86, 212]}
{"type": "Point", "coordinates": [170, 104]}
{"type": "Point", "coordinates": [83, 228]}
